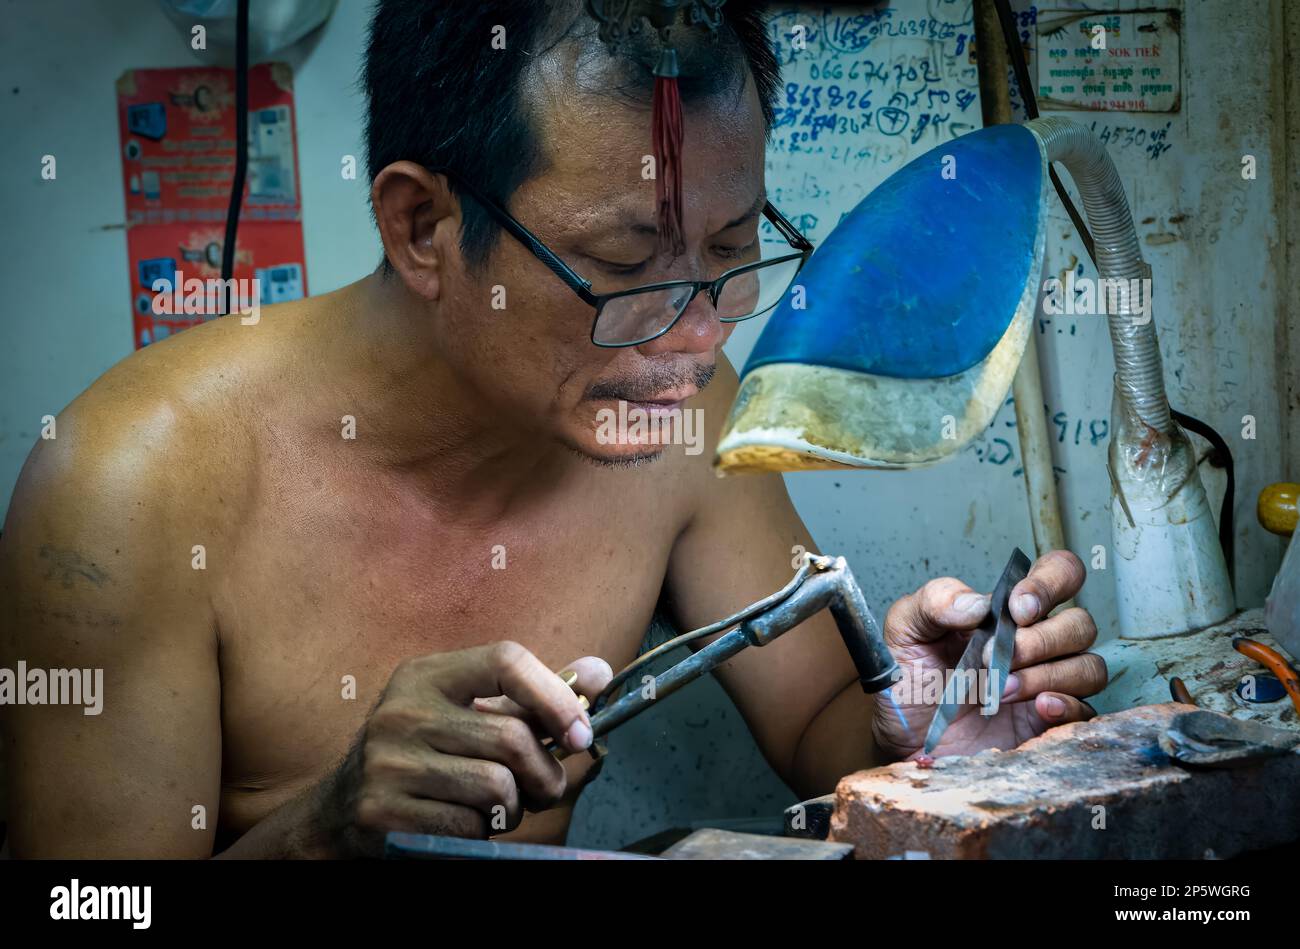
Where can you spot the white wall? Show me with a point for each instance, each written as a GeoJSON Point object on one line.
{"type": "Point", "coordinates": [1211, 238]}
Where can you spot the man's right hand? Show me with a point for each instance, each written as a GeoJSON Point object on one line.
{"type": "Point", "coordinates": [454, 747]}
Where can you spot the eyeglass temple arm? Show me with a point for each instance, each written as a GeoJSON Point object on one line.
{"type": "Point", "coordinates": [787, 230]}
{"type": "Point", "coordinates": [562, 270]}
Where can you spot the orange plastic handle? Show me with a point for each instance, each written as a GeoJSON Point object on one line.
{"type": "Point", "coordinates": [1274, 662]}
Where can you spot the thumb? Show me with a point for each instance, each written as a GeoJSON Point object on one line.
{"type": "Point", "coordinates": [932, 612]}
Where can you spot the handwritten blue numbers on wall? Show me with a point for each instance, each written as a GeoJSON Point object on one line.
{"type": "Point", "coordinates": [857, 77]}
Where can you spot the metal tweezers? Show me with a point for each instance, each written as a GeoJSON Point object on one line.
{"type": "Point", "coordinates": [997, 626]}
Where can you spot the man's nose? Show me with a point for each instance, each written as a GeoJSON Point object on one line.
{"type": "Point", "coordinates": [698, 330]}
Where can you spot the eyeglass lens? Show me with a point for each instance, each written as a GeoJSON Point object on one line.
{"type": "Point", "coordinates": [636, 317]}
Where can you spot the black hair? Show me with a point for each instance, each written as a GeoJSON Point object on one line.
{"type": "Point", "coordinates": [439, 94]}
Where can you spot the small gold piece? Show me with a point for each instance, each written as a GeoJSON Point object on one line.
{"type": "Point", "coordinates": [569, 676]}
{"type": "Point", "coordinates": [583, 703]}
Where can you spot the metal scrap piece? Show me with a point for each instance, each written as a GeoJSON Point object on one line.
{"type": "Point", "coordinates": [1211, 740]}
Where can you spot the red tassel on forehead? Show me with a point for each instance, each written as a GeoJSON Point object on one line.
{"type": "Point", "coordinates": [667, 122]}
{"type": "Point", "coordinates": [620, 18]}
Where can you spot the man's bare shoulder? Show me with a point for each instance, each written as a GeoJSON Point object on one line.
{"type": "Point", "coordinates": [721, 393]}
{"type": "Point", "coordinates": [750, 497]}
{"type": "Point", "coordinates": [163, 437]}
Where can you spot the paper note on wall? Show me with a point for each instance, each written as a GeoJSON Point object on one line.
{"type": "Point", "coordinates": [1113, 62]}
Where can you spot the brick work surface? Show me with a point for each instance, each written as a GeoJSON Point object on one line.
{"type": "Point", "coordinates": [1092, 790]}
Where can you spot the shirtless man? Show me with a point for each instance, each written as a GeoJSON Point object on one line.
{"type": "Point", "coordinates": [326, 557]}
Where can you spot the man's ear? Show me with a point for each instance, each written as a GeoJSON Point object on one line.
{"type": "Point", "coordinates": [419, 219]}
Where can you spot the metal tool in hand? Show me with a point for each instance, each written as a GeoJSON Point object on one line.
{"type": "Point", "coordinates": [820, 583]}
{"type": "Point", "coordinates": [999, 627]}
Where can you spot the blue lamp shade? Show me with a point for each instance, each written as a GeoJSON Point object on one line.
{"type": "Point", "coordinates": [911, 320]}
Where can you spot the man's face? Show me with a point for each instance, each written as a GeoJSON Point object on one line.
{"type": "Point", "coordinates": [530, 357]}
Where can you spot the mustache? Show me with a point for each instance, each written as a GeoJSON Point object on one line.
{"type": "Point", "coordinates": [645, 386]}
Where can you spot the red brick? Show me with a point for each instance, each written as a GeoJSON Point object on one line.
{"type": "Point", "coordinates": [1039, 800]}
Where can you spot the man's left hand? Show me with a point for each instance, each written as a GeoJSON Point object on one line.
{"type": "Point", "coordinates": [1051, 674]}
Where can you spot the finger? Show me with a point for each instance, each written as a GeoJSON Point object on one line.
{"type": "Point", "coordinates": [380, 814]}
{"type": "Point", "coordinates": [486, 786]}
{"type": "Point", "coordinates": [1080, 675]}
{"type": "Point", "coordinates": [1056, 708]}
{"type": "Point", "coordinates": [500, 705]}
{"type": "Point", "coordinates": [507, 740]}
{"type": "Point", "coordinates": [1054, 578]}
{"type": "Point", "coordinates": [938, 608]}
{"type": "Point", "coordinates": [593, 675]}
{"type": "Point", "coordinates": [1068, 632]}
{"type": "Point", "coordinates": [507, 668]}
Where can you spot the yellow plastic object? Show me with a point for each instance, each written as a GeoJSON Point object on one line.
{"type": "Point", "coordinates": [1276, 508]}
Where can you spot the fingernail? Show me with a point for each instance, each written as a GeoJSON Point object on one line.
{"type": "Point", "coordinates": [971, 603]}
{"type": "Point", "coordinates": [1012, 686]}
{"type": "Point", "coordinates": [1027, 604]}
{"type": "Point", "coordinates": [1055, 707]}
{"type": "Point", "coordinates": [578, 735]}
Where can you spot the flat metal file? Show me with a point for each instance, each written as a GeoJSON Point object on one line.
{"type": "Point", "coordinates": [999, 627]}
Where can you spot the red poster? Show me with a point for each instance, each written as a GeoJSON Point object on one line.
{"type": "Point", "coordinates": [178, 163]}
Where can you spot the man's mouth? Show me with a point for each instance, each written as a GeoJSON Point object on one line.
{"type": "Point", "coordinates": [650, 394]}
{"type": "Point", "coordinates": [671, 398]}
{"type": "Point", "coordinates": [660, 402]}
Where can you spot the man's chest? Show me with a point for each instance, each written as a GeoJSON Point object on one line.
{"type": "Point", "coordinates": [327, 599]}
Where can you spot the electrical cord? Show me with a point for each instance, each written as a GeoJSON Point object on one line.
{"type": "Point", "coordinates": [1220, 457]}
{"type": "Point", "coordinates": [241, 154]}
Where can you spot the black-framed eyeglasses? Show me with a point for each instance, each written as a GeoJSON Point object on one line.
{"type": "Point", "coordinates": [639, 314]}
